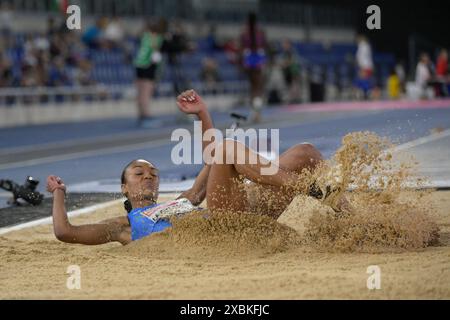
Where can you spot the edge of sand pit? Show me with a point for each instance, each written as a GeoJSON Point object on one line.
{"type": "Point", "coordinates": [70, 214]}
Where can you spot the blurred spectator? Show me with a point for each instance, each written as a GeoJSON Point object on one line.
{"type": "Point", "coordinates": [275, 84]}
{"type": "Point", "coordinates": [211, 40]}
{"type": "Point", "coordinates": [231, 49]}
{"type": "Point", "coordinates": [30, 51]}
{"type": "Point", "coordinates": [253, 57]}
{"type": "Point", "coordinates": [94, 37]}
{"type": "Point", "coordinates": [52, 27]}
{"type": "Point", "coordinates": [364, 58]}
{"type": "Point", "coordinates": [364, 63]}
{"type": "Point", "coordinates": [42, 67]}
{"type": "Point", "coordinates": [114, 32]}
{"type": "Point", "coordinates": [401, 73]}
{"type": "Point", "coordinates": [442, 63]}
{"type": "Point", "coordinates": [423, 72]}
{"type": "Point", "coordinates": [41, 43]}
{"type": "Point", "coordinates": [317, 84]}
{"type": "Point", "coordinates": [147, 61]}
{"type": "Point", "coordinates": [82, 76]}
{"type": "Point", "coordinates": [393, 85]}
{"type": "Point", "coordinates": [58, 74]}
{"type": "Point", "coordinates": [291, 71]}
{"type": "Point", "coordinates": [56, 45]}
{"type": "Point", "coordinates": [6, 76]}
{"type": "Point", "coordinates": [210, 74]}
{"type": "Point", "coordinates": [6, 18]}
{"type": "Point", "coordinates": [30, 78]}
{"type": "Point", "coordinates": [442, 73]}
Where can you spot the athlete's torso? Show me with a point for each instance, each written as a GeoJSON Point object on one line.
{"type": "Point", "coordinates": [154, 218]}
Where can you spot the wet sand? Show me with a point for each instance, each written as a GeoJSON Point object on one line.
{"type": "Point", "coordinates": [33, 265]}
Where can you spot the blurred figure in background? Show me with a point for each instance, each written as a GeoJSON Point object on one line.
{"type": "Point", "coordinates": [442, 63]}
{"type": "Point", "coordinates": [365, 65]}
{"type": "Point", "coordinates": [423, 74]}
{"type": "Point", "coordinates": [82, 75]}
{"type": "Point", "coordinates": [393, 85]}
{"type": "Point", "coordinates": [114, 33]}
{"type": "Point", "coordinates": [58, 74]}
{"type": "Point", "coordinates": [275, 83]}
{"type": "Point", "coordinates": [94, 37]}
{"type": "Point", "coordinates": [253, 57]}
{"type": "Point", "coordinates": [291, 71]}
{"type": "Point", "coordinates": [231, 48]}
{"type": "Point", "coordinates": [6, 75]}
{"type": "Point", "coordinates": [401, 73]}
{"type": "Point", "coordinates": [442, 73]}
{"type": "Point", "coordinates": [210, 75]}
{"type": "Point", "coordinates": [146, 62]}
{"type": "Point", "coordinates": [212, 44]}
{"type": "Point", "coordinates": [6, 18]}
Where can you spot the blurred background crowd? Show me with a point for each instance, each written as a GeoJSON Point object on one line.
{"type": "Point", "coordinates": [264, 51]}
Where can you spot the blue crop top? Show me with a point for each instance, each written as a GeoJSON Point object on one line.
{"type": "Point", "coordinates": [154, 218]}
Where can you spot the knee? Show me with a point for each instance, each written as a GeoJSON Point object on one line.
{"type": "Point", "coordinates": [311, 152]}
{"type": "Point", "coordinates": [227, 150]}
{"type": "Point", "coordinates": [307, 152]}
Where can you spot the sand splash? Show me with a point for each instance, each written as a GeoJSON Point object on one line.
{"type": "Point", "coordinates": [221, 234]}
{"type": "Point", "coordinates": [381, 214]}
{"type": "Point", "coordinates": [378, 214]}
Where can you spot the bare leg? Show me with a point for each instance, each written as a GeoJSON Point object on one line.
{"type": "Point", "coordinates": [256, 83]}
{"type": "Point", "coordinates": [295, 159]}
{"type": "Point", "coordinates": [144, 94]}
{"type": "Point", "coordinates": [224, 188]}
{"type": "Point", "coordinates": [256, 92]}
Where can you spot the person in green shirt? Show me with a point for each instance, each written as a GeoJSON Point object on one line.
{"type": "Point", "coordinates": [146, 63]}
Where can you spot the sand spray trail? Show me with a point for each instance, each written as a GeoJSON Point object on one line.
{"type": "Point", "coordinates": [378, 215]}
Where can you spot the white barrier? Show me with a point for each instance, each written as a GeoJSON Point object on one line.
{"type": "Point", "coordinates": [104, 105]}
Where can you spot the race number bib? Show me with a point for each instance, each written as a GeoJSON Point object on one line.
{"type": "Point", "coordinates": [169, 209]}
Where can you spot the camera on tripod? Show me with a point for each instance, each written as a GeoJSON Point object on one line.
{"type": "Point", "coordinates": [26, 192]}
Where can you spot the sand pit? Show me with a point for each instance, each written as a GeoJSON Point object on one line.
{"type": "Point", "coordinates": [311, 252]}
{"type": "Point", "coordinates": [33, 264]}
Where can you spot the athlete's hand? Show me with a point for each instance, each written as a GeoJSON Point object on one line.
{"type": "Point", "coordinates": [54, 182]}
{"type": "Point", "coordinates": [190, 102]}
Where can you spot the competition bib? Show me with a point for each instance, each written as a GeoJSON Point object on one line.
{"type": "Point", "coordinates": [166, 210]}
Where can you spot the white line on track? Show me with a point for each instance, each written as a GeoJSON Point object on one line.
{"type": "Point", "coordinates": [81, 154]}
{"type": "Point", "coordinates": [422, 140]}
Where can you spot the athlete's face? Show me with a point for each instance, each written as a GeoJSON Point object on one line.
{"type": "Point", "coordinates": [142, 181]}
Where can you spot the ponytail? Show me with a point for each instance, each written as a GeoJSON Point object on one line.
{"type": "Point", "coordinates": [127, 206]}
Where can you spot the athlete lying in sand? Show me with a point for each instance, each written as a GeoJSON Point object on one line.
{"type": "Point", "coordinates": [220, 184]}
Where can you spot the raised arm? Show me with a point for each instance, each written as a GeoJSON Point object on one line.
{"type": "Point", "coordinates": [110, 230]}
{"type": "Point", "coordinates": [190, 102]}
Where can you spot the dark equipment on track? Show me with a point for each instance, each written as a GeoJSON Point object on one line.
{"type": "Point", "coordinates": [26, 192]}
